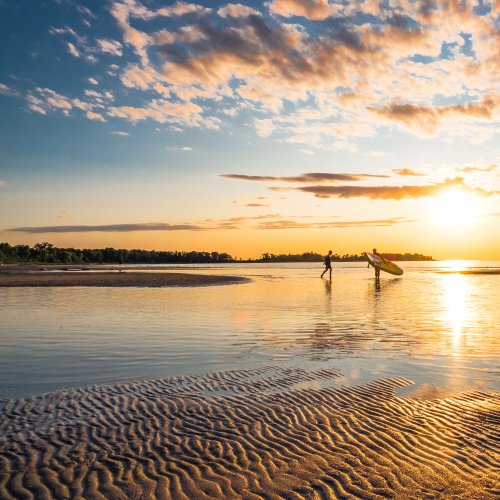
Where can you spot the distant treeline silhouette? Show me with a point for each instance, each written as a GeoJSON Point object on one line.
{"type": "Point", "coordinates": [48, 253]}
{"type": "Point", "coordinates": [315, 257]}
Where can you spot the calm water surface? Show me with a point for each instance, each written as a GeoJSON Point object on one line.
{"type": "Point", "coordinates": [439, 330]}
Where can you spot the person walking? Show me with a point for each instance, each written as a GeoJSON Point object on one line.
{"type": "Point", "coordinates": [328, 264]}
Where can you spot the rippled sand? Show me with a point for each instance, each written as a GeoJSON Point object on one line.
{"type": "Point", "coordinates": [273, 433]}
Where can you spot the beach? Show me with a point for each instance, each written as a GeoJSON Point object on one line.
{"type": "Point", "coordinates": [120, 279]}
{"type": "Point", "coordinates": [240, 434]}
{"type": "Point", "coordinates": [284, 387]}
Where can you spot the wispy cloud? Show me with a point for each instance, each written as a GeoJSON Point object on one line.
{"type": "Point", "coordinates": [8, 91]}
{"type": "Point", "coordinates": [260, 222]}
{"type": "Point", "coordinates": [95, 116]}
{"type": "Point", "coordinates": [112, 228]}
{"type": "Point", "coordinates": [303, 178]}
{"type": "Point", "coordinates": [409, 172]}
{"type": "Point", "coordinates": [64, 214]}
{"type": "Point", "coordinates": [256, 205]}
{"type": "Point", "coordinates": [72, 50]}
{"type": "Point", "coordinates": [469, 169]}
{"type": "Point", "coordinates": [120, 133]}
{"type": "Point", "coordinates": [238, 10]}
{"type": "Point", "coordinates": [110, 46]}
{"type": "Point", "coordinates": [391, 192]}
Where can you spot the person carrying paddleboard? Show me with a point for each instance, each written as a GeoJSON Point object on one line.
{"type": "Point", "coordinates": [328, 264]}
{"type": "Point", "coordinates": [377, 271]}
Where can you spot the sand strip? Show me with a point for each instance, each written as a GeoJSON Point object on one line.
{"type": "Point", "coordinates": [113, 279]}
{"type": "Point", "coordinates": [470, 272]}
{"type": "Point", "coordinates": [165, 439]}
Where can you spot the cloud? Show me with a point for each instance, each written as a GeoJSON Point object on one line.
{"type": "Point", "coordinates": [112, 228]}
{"type": "Point", "coordinates": [85, 10]}
{"type": "Point", "coordinates": [468, 170]}
{"type": "Point", "coordinates": [110, 46]}
{"type": "Point", "coordinates": [8, 91]}
{"type": "Point", "coordinates": [311, 9]}
{"type": "Point", "coordinates": [164, 111]}
{"type": "Point", "coordinates": [256, 205]}
{"type": "Point", "coordinates": [428, 119]}
{"type": "Point", "coordinates": [95, 116]}
{"type": "Point", "coordinates": [2, 183]}
{"type": "Point", "coordinates": [93, 81]}
{"type": "Point", "coordinates": [342, 76]}
{"type": "Point", "coordinates": [181, 8]}
{"type": "Point", "coordinates": [64, 214]}
{"type": "Point", "coordinates": [309, 177]}
{"type": "Point", "coordinates": [72, 50]}
{"type": "Point", "coordinates": [407, 172]}
{"type": "Point", "coordinates": [306, 151]}
{"type": "Point", "coordinates": [120, 133]}
{"type": "Point", "coordinates": [238, 10]}
{"type": "Point", "coordinates": [456, 185]}
{"type": "Point", "coordinates": [294, 224]}
{"type": "Point", "coordinates": [185, 148]}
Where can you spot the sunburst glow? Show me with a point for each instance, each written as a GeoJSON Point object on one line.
{"type": "Point", "coordinates": [456, 208]}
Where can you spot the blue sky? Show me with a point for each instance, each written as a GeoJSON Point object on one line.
{"type": "Point", "coordinates": [119, 114]}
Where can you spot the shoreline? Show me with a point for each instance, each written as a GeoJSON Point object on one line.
{"type": "Point", "coordinates": [113, 279]}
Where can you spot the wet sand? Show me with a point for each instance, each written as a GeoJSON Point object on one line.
{"type": "Point", "coordinates": [112, 279]}
{"type": "Point", "coordinates": [249, 434]}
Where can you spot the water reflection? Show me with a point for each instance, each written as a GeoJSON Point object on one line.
{"type": "Point", "coordinates": [69, 337]}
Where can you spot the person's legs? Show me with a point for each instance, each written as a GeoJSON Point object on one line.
{"type": "Point", "coordinates": [330, 273]}
{"type": "Point", "coordinates": [326, 269]}
{"type": "Point", "coordinates": [377, 274]}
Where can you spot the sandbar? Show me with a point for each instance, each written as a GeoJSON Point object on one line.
{"type": "Point", "coordinates": [112, 279]}
{"type": "Point", "coordinates": [249, 434]}
{"type": "Point", "coordinates": [478, 272]}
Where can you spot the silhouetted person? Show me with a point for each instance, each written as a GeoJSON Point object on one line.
{"type": "Point", "coordinates": [328, 264]}
{"type": "Point", "coordinates": [377, 271]}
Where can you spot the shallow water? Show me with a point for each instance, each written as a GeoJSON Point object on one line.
{"type": "Point", "coordinates": [439, 330]}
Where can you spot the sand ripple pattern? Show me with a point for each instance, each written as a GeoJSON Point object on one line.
{"type": "Point", "coordinates": [249, 434]}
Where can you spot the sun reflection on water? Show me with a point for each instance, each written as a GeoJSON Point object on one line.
{"type": "Point", "coordinates": [454, 298]}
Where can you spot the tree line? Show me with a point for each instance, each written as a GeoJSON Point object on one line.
{"type": "Point", "coordinates": [46, 253]}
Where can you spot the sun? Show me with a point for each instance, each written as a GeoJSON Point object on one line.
{"type": "Point", "coordinates": [456, 208]}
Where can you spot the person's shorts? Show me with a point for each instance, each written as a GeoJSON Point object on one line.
{"type": "Point", "coordinates": [328, 266]}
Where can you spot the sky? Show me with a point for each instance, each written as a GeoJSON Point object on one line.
{"type": "Point", "coordinates": [284, 126]}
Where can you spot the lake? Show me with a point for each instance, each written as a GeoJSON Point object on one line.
{"type": "Point", "coordinates": [438, 330]}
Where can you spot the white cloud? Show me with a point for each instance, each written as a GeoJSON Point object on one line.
{"type": "Point", "coordinates": [187, 149]}
{"type": "Point", "coordinates": [307, 151]}
{"type": "Point", "coordinates": [120, 133]}
{"type": "Point", "coordinates": [95, 116]}
{"type": "Point", "coordinates": [8, 91]}
{"type": "Point", "coordinates": [64, 214]}
{"type": "Point", "coordinates": [238, 10]}
{"type": "Point", "coordinates": [84, 21]}
{"type": "Point", "coordinates": [72, 50]}
{"type": "Point", "coordinates": [93, 81]}
{"type": "Point", "coordinates": [110, 46]}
